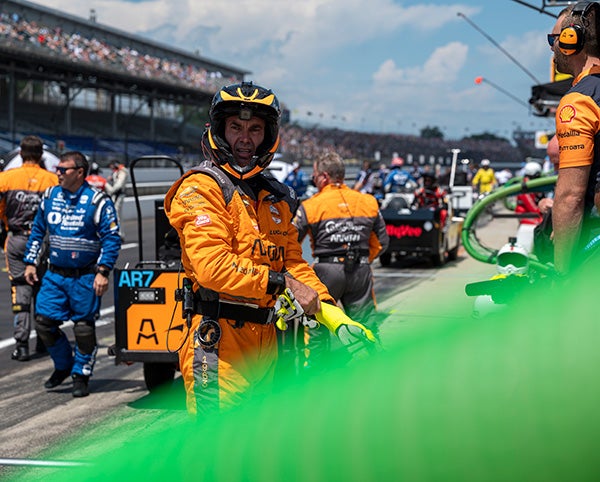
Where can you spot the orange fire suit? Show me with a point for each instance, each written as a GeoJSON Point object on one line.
{"type": "Point", "coordinates": [21, 190]}
{"type": "Point", "coordinates": [347, 232]}
{"type": "Point", "coordinates": [233, 234]}
{"type": "Point", "coordinates": [338, 219]}
{"type": "Point", "coordinates": [578, 133]}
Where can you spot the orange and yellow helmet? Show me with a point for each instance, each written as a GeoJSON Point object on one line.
{"type": "Point", "coordinates": [244, 100]}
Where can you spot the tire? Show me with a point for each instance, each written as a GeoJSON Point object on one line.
{"type": "Point", "coordinates": [453, 253]}
{"type": "Point", "coordinates": [158, 375]}
{"type": "Point", "coordinates": [439, 258]}
{"type": "Point", "coordinates": [385, 259]}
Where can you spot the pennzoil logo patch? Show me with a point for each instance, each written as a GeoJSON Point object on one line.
{"type": "Point", "coordinates": [202, 220]}
{"type": "Point", "coordinates": [567, 114]}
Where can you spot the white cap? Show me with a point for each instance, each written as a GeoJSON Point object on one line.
{"type": "Point", "coordinates": [532, 168]}
{"type": "Point", "coordinates": [512, 258]}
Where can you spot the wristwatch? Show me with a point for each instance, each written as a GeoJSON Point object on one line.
{"type": "Point", "coordinates": [276, 283]}
{"type": "Point", "coordinates": [103, 271]}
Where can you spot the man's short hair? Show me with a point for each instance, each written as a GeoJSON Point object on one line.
{"type": "Point", "coordinates": [332, 164]}
{"type": "Point", "coordinates": [32, 149]}
{"type": "Point", "coordinates": [77, 157]}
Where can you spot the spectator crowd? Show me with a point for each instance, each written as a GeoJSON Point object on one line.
{"type": "Point", "coordinates": [77, 47]}
{"type": "Point", "coordinates": [300, 143]}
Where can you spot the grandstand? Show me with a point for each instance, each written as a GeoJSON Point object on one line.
{"type": "Point", "coordinates": [299, 143]}
{"type": "Point", "coordinates": [110, 94]}
{"type": "Point", "coordinates": [82, 85]}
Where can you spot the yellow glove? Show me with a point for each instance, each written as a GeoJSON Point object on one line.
{"type": "Point", "coordinates": [347, 330]}
{"type": "Point", "coordinates": [287, 309]}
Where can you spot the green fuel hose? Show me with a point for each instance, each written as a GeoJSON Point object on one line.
{"type": "Point", "coordinates": [469, 236]}
{"type": "Point", "coordinates": [510, 202]}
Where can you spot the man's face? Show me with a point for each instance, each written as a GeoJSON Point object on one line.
{"type": "Point", "coordinates": [70, 177]}
{"type": "Point", "coordinates": [244, 137]}
{"type": "Point", "coordinates": [561, 60]}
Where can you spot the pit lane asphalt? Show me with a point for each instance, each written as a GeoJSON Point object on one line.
{"type": "Point", "coordinates": [34, 419]}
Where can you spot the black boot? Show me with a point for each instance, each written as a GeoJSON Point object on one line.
{"type": "Point", "coordinates": [80, 385]}
{"type": "Point", "coordinates": [57, 377]}
{"type": "Point", "coordinates": [40, 348]}
{"type": "Point", "coordinates": [21, 352]}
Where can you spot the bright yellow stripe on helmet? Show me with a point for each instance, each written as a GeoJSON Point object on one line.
{"type": "Point", "coordinates": [268, 100]}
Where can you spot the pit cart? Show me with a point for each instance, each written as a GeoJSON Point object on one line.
{"type": "Point", "coordinates": [419, 232]}
{"type": "Point", "coordinates": [149, 327]}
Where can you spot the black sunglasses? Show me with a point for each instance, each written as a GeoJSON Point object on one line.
{"type": "Point", "coordinates": [552, 37]}
{"type": "Point", "coordinates": [63, 170]}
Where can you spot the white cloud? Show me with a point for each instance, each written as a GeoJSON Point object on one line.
{"type": "Point", "coordinates": [306, 29]}
{"type": "Point", "coordinates": [441, 67]}
{"type": "Point", "coordinates": [338, 56]}
{"type": "Point", "coordinates": [530, 53]}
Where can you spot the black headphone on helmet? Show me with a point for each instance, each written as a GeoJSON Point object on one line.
{"type": "Point", "coordinates": [572, 37]}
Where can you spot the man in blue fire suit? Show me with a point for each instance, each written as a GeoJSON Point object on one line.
{"type": "Point", "coordinates": [83, 233]}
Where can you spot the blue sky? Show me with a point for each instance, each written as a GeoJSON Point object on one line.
{"type": "Point", "coordinates": [376, 66]}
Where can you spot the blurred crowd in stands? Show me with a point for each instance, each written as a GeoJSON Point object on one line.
{"type": "Point", "coordinates": [300, 143]}
{"type": "Point", "coordinates": [53, 40]}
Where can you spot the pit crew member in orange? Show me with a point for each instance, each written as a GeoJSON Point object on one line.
{"type": "Point", "coordinates": [347, 233]}
{"type": "Point", "coordinates": [574, 41]}
{"type": "Point", "coordinates": [240, 250]}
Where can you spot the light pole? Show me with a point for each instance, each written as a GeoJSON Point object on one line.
{"type": "Point", "coordinates": [479, 80]}
{"type": "Point", "coordinates": [453, 167]}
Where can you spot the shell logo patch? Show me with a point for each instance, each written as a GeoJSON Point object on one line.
{"type": "Point", "coordinates": [567, 114]}
{"type": "Point", "coordinates": [202, 220]}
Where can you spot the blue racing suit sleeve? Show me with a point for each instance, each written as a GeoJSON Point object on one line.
{"type": "Point", "coordinates": [108, 232]}
{"type": "Point", "coordinates": [388, 180]}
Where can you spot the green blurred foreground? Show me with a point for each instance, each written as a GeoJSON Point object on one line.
{"type": "Point", "coordinates": [511, 398]}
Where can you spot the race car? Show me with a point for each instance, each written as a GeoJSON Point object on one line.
{"type": "Point", "coordinates": [427, 232]}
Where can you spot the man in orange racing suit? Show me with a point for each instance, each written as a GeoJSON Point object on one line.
{"type": "Point", "coordinates": [347, 233]}
{"type": "Point", "coordinates": [21, 191]}
{"type": "Point", "coordinates": [240, 250]}
{"type": "Point", "coordinates": [575, 44]}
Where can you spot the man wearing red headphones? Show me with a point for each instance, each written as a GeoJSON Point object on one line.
{"type": "Point", "coordinates": [574, 41]}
